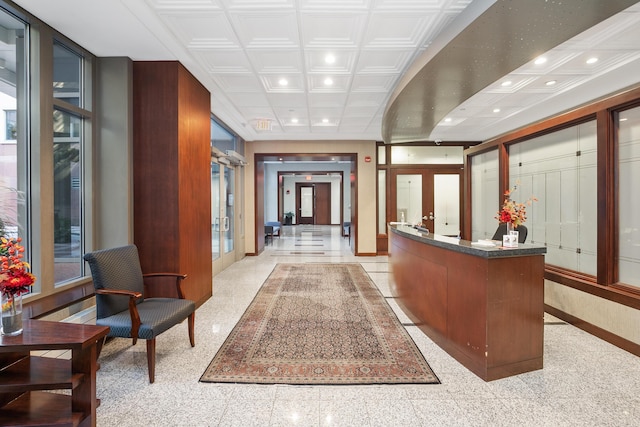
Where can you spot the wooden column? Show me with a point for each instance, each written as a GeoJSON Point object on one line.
{"type": "Point", "coordinates": [172, 174]}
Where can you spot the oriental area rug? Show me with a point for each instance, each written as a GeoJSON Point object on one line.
{"type": "Point", "coordinates": [315, 324]}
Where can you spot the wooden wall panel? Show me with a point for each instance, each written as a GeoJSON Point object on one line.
{"type": "Point", "coordinates": [172, 197]}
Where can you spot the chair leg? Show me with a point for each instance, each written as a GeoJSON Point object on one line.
{"type": "Point", "coordinates": [191, 322]}
{"type": "Point", "coordinates": [151, 359]}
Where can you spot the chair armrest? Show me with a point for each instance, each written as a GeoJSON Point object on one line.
{"type": "Point", "coordinates": [133, 309]}
{"type": "Point", "coordinates": [179, 278]}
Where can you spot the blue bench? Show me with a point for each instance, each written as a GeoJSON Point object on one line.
{"type": "Point", "coordinates": [276, 227]}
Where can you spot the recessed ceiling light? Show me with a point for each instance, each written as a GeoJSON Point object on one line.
{"type": "Point", "coordinates": [551, 82]}
{"type": "Point", "coordinates": [506, 83]}
{"type": "Point", "coordinates": [283, 82]}
{"type": "Point", "coordinates": [325, 120]}
{"type": "Point", "coordinates": [447, 119]}
{"type": "Point", "coordinates": [592, 60]}
{"type": "Point", "coordinates": [328, 81]}
{"type": "Point", "coordinates": [294, 120]}
{"type": "Point", "coordinates": [496, 110]}
{"type": "Point", "coordinates": [540, 60]}
{"type": "Point", "coordinates": [329, 59]}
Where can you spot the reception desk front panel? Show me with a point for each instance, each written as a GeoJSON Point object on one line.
{"type": "Point", "coordinates": [484, 306]}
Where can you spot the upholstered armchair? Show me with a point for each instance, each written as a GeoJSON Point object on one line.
{"type": "Point", "coordinates": [123, 306]}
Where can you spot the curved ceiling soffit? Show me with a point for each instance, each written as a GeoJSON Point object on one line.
{"type": "Point", "coordinates": [507, 35]}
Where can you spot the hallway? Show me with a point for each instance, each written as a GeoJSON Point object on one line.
{"type": "Point", "coordinates": [585, 381]}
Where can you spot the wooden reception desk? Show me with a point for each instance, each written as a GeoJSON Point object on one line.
{"type": "Point", "coordinates": [484, 306]}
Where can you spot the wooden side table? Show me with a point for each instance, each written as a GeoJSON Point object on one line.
{"type": "Point", "coordinates": [25, 380]}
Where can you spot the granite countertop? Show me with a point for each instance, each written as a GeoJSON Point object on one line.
{"type": "Point", "coordinates": [465, 246]}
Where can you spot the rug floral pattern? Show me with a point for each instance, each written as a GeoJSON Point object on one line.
{"type": "Point", "coordinates": [319, 324]}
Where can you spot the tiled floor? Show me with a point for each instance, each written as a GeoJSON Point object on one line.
{"type": "Point", "coordinates": [585, 381]}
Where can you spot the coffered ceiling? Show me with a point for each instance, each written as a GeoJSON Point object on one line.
{"type": "Point", "coordinates": [327, 69]}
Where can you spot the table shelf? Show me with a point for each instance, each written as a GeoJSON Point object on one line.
{"type": "Point", "coordinates": [28, 384]}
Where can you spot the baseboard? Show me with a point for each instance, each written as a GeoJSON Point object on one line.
{"type": "Point", "coordinates": [603, 334]}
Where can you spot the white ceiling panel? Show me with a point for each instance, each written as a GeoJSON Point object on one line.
{"type": "Point", "coordinates": [343, 60]}
{"type": "Point", "coordinates": [241, 49]}
{"type": "Point", "coordinates": [209, 30]}
{"type": "Point", "coordinates": [332, 100]}
{"type": "Point", "coordinates": [332, 30]}
{"type": "Point", "coordinates": [281, 61]}
{"type": "Point", "coordinates": [396, 30]}
{"type": "Point", "coordinates": [384, 61]}
{"type": "Point", "coordinates": [366, 99]}
{"type": "Point", "coordinates": [224, 62]}
{"type": "Point", "coordinates": [291, 100]}
{"type": "Point", "coordinates": [238, 83]}
{"type": "Point", "coordinates": [338, 84]}
{"type": "Point", "coordinates": [373, 83]}
{"type": "Point", "coordinates": [266, 29]}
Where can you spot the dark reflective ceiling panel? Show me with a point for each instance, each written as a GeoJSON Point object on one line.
{"type": "Point", "coordinates": [509, 34]}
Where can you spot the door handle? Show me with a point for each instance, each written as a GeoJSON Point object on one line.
{"type": "Point", "coordinates": [226, 223]}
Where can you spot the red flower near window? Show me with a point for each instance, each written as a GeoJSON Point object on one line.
{"type": "Point", "coordinates": [14, 277]}
{"type": "Point", "coordinates": [512, 212]}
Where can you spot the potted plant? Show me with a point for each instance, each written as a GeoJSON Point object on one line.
{"type": "Point", "coordinates": [288, 218]}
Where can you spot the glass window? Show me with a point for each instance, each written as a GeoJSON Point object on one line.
{"type": "Point", "coordinates": [10, 125]}
{"type": "Point", "coordinates": [67, 72]}
{"type": "Point", "coordinates": [628, 202]}
{"type": "Point", "coordinates": [560, 170]}
{"type": "Point", "coordinates": [13, 142]}
{"type": "Point", "coordinates": [382, 202]}
{"type": "Point", "coordinates": [426, 155]}
{"type": "Point", "coordinates": [382, 155]}
{"type": "Point", "coordinates": [484, 195]}
{"type": "Point", "coordinates": [222, 139]}
{"type": "Point", "coordinates": [67, 195]}
{"type": "Point", "coordinates": [215, 211]}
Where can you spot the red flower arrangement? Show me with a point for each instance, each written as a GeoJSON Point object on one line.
{"type": "Point", "coordinates": [512, 212]}
{"type": "Point", "coordinates": [14, 278]}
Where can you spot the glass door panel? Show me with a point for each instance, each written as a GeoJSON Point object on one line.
{"type": "Point", "coordinates": [306, 201]}
{"type": "Point", "coordinates": [215, 211]}
{"type": "Point", "coordinates": [446, 204]}
{"type": "Point", "coordinates": [222, 216]}
{"type": "Point", "coordinates": [229, 214]}
{"type": "Point", "coordinates": [409, 198]}
{"type": "Point", "coordinates": [428, 197]}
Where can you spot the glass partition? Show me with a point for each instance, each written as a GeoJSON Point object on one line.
{"type": "Point", "coordinates": [426, 155]}
{"type": "Point", "coordinates": [382, 202]}
{"type": "Point", "coordinates": [446, 204]}
{"type": "Point", "coordinates": [67, 206]}
{"type": "Point", "coordinates": [484, 195]}
{"type": "Point", "coordinates": [560, 170]}
{"type": "Point", "coordinates": [409, 198]}
{"type": "Point", "coordinates": [628, 201]}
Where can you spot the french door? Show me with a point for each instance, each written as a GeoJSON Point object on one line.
{"type": "Point", "coordinates": [222, 216]}
{"type": "Point", "coordinates": [431, 197]}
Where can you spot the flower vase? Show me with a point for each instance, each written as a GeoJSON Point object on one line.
{"type": "Point", "coordinates": [510, 239]}
{"type": "Point", "coordinates": [11, 314]}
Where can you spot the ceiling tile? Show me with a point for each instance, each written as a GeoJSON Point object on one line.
{"type": "Point", "coordinates": [332, 30]}
{"type": "Point", "coordinates": [317, 83]}
{"type": "Point", "coordinates": [200, 30]}
{"type": "Point", "coordinates": [224, 61]}
{"type": "Point", "coordinates": [383, 61]}
{"type": "Point", "coordinates": [266, 29]}
{"type": "Point", "coordinates": [271, 83]}
{"type": "Point", "coordinates": [373, 83]}
{"type": "Point", "coordinates": [276, 61]}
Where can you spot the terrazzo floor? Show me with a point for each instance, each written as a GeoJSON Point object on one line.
{"type": "Point", "coordinates": [585, 381]}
